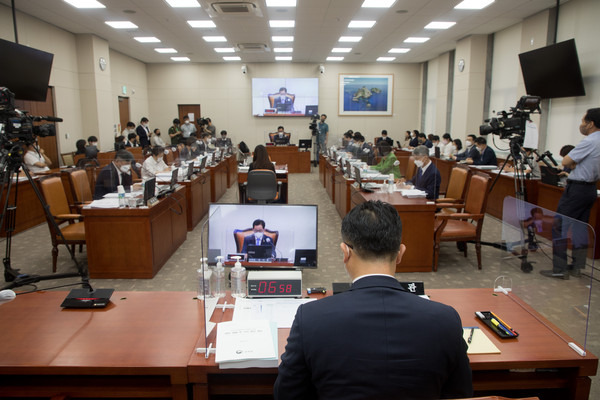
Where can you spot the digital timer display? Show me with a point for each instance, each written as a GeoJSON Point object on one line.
{"type": "Point", "coordinates": [275, 284]}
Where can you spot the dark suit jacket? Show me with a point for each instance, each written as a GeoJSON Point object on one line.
{"type": "Point", "coordinates": [143, 135]}
{"type": "Point", "coordinates": [283, 106]}
{"type": "Point", "coordinates": [428, 181]}
{"type": "Point", "coordinates": [468, 153]}
{"type": "Point", "coordinates": [250, 239]}
{"type": "Point", "coordinates": [413, 142]}
{"type": "Point", "coordinates": [108, 180]}
{"type": "Point", "coordinates": [385, 140]}
{"type": "Point", "coordinates": [487, 158]}
{"type": "Point", "coordinates": [375, 341]}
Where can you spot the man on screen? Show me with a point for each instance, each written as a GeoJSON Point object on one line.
{"type": "Point", "coordinates": [283, 102]}
{"type": "Point", "coordinates": [258, 238]}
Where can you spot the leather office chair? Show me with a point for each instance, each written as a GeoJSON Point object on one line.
{"type": "Point", "coordinates": [67, 159]}
{"type": "Point", "coordinates": [262, 186]}
{"type": "Point", "coordinates": [273, 96]}
{"type": "Point", "coordinates": [411, 168]}
{"type": "Point", "coordinates": [80, 188]}
{"type": "Point", "coordinates": [466, 224]}
{"type": "Point", "coordinates": [240, 234]}
{"type": "Point", "coordinates": [70, 225]}
{"type": "Point", "coordinates": [457, 185]}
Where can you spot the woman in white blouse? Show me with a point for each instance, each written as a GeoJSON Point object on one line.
{"type": "Point", "coordinates": [154, 164]}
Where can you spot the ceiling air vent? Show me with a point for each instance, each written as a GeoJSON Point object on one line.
{"type": "Point", "coordinates": [253, 48]}
{"type": "Point", "coordinates": [236, 8]}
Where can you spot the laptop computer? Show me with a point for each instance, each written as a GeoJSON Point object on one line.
{"type": "Point", "coordinates": [305, 258]}
{"type": "Point", "coordinates": [311, 110]}
{"type": "Point", "coordinates": [261, 252]}
{"type": "Point", "coordinates": [84, 298]}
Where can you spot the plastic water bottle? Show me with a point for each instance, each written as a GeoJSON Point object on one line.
{"type": "Point", "coordinates": [204, 274]}
{"type": "Point", "coordinates": [217, 279]}
{"type": "Point", "coordinates": [391, 183]}
{"type": "Point", "coordinates": [238, 279]}
{"type": "Point", "coordinates": [121, 195]}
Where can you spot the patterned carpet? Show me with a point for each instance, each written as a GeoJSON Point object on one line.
{"type": "Point", "coordinates": [565, 303]}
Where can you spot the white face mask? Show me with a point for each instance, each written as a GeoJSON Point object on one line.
{"type": "Point", "coordinates": [418, 163]}
{"type": "Point", "coordinates": [93, 144]}
{"type": "Point", "coordinates": [187, 122]}
{"type": "Point", "coordinates": [280, 134]}
{"type": "Point", "coordinates": [468, 143]}
{"type": "Point", "coordinates": [125, 168]}
{"type": "Point", "coordinates": [258, 235]}
{"type": "Point", "coordinates": [131, 130]}
{"type": "Point", "coordinates": [445, 141]}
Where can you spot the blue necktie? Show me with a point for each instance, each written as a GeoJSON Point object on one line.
{"type": "Point", "coordinates": [258, 241]}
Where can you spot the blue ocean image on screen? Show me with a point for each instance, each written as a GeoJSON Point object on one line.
{"type": "Point", "coordinates": [365, 94]}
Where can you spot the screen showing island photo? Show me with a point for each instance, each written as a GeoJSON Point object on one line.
{"type": "Point", "coordinates": [366, 94]}
{"type": "Point", "coordinates": [288, 97]}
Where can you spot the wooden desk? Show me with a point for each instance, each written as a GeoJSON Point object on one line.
{"type": "Point", "coordinates": [197, 194]}
{"type": "Point", "coordinates": [297, 161]}
{"type": "Point", "coordinates": [322, 162]}
{"type": "Point", "coordinates": [281, 177]}
{"type": "Point", "coordinates": [538, 347]}
{"type": "Point", "coordinates": [218, 180]}
{"type": "Point", "coordinates": [137, 347]}
{"type": "Point", "coordinates": [330, 168]}
{"type": "Point", "coordinates": [134, 243]}
{"type": "Point", "coordinates": [343, 193]}
{"type": "Point", "coordinates": [232, 170]}
{"type": "Point", "coordinates": [417, 227]}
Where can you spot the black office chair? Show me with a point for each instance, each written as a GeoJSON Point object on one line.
{"type": "Point", "coordinates": [262, 186]}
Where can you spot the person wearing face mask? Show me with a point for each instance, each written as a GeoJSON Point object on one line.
{"type": "Point", "coordinates": [224, 141]}
{"type": "Point", "coordinates": [156, 139]}
{"type": "Point", "coordinates": [283, 102]}
{"type": "Point", "coordinates": [143, 132]}
{"type": "Point", "coordinates": [427, 177]}
{"type": "Point", "coordinates": [423, 141]}
{"type": "Point", "coordinates": [470, 150]}
{"type": "Point", "coordinates": [154, 164]}
{"type": "Point", "coordinates": [347, 141]}
{"type": "Point", "coordinates": [281, 137]}
{"type": "Point", "coordinates": [187, 128]}
{"type": "Point", "coordinates": [258, 237]}
{"type": "Point", "coordinates": [388, 163]}
{"type": "Point", "coordinates": [175, 132]}
{"type": "Point", "coordinates": [118, 172]}
{"type": "Point", "coordinates": [404, 144]}
{"type": "Point", "coordinates": [91, 150]}
{"type": "Point", "coordinates": [132, 140]}
{"type": "Point", "coordinates": [414, 139]}
{"type": "Point", "coordinates": [36, 159]}
{"type": "Point", "coordinates": [447, 147]}
{"type": "Point", "coordinates": [384, 139]}
{"type": "Point", "coordinates": [130, 128]}
{"type": "Point", "coordinates": [487, 156]}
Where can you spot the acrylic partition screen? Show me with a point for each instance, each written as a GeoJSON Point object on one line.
{"type": "Point", "coordinates": [537, 239]}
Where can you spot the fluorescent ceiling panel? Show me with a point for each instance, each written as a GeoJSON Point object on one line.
{"type": "Point", "coordinates": [386, 58]}
{"type": "Point", "coordinates": [399, 50]}
{"type": "Point", "coordinates": [473, 4]}
{"type": "Point", "coordinates": [224, 49]}
{"type": "Point", "coordinates": [202, 24]}
{"type": "Point", "coordinates": [183, 3]}
{"type": "Point", "coordinates": [378, 3]}
{"type": "Point", "coordinates": [350, 39]}
{"type": "Point", "coordinates": [416, 40]}
{"type": "Point", "coordinates": [282, 38]}
{"type": "Point", "coordinates": [283, 49]}
{"type": "Point", "coordinates": [281, 3]}
{"type": "Point", "coordinates": [334, 58]}
{"type": "Point", "coordinates": [341, 50]}
{"type": "Point", "coordinates": [281, 23]}
{"type": "Point", "coordinates": [214, 39]}
{"type": "Point", "coordinates": [85, 3]}
{"type": "Point", "coordinates": [283, 58]}
{"type": "Point", "coordinates": [165, 50]}
{"type": "Point", "coordinates": [147, 39]}
{"type": "Point", "coordinates": [439, 25]}
{"type": "Point", "coordinates": [121, 24]}
{"type": "Point", "coordinates": [180, 58]}
{"type": "Point", "coordinates": [232, 58]}
{"type": "Point", "coordinates": [361, 24]}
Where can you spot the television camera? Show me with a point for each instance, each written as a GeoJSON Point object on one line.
{"type": "Point", "coordinates": [511, 124]}
{"type": "Point", "coordinates": [314, 119]}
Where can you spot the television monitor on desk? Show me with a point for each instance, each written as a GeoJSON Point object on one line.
{"type": "Point", "coordinates": [289, 235]}
{"type": "Point", "coordinates": [305, 144]}
{"type": "Point", "coordinates": [149, 190]}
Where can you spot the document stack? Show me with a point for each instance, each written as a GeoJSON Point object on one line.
{"type": "Point", "coordinates": [247, 344]}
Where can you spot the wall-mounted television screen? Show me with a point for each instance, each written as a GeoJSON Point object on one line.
{"type": "Point", "coordinates": [293, 97]}
{"type": "Point", "coordinates": [263, 236]}
{"type": "Point", "coordinates": [25, 71]}
{"type": "Point", "coordinates": [552, 71]}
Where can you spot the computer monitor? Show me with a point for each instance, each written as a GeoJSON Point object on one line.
{"type": "Point", "coordinates": [149, 189]}
{"type": "Point", "coordinates": [289, 234]}
{"type": "Point", "coordinates": [305, 143]}
{"type": "Point", "coordinates": [357, 175]}
{"type": "Point", "coordinates": [190, 171]}
{"type": "Point", "coordinates": [174, 174]}
{"type": "Point", "coordinates": [281, 140]}
{"type": "Point", "coordinates": [311, 110]}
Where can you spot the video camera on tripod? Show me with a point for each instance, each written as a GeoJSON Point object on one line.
{"type": "Point", "coordinates": [512, 124]}
{"type": "Point", "coordinates": [314, 119]}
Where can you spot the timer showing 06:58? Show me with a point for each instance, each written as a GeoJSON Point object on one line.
{"type": "Point", "coordinates": [274, 285]}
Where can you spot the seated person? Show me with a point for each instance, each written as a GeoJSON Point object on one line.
{"type": "Point", "coordinates": [120, 143]}
{"type": "Point", "coordinates": [80, 145]}
{"type": "Point", "coordinates": [260, 159]}
{"type": "Point", "coordinates": [223, 141]}
{"type": "Point", "coordinates": [404, 144]}
{"type": "Point", "coordinates": [156, 139]}
{"type": "Point", "coordinates": [132, 140]}
{"type": "Point", "coordinates": [118, 172]}
{"type": "Point", "coordinates": [385, 139]}
{"type": "Point", "coordinates": [202, 145]}
{"type": "Point", "coordinates": [283, 102]}
{"type": "Point", "coordinates": [422, 139]}
{"type": "Point", "coordinates": [389, 163]}
{"type": "Point", "coordinates": [281, 137]}
{"type": "Point", "coordinates": [91, 150]}
{"type": "Point", "coordinates": [189, 149]}
{"type": "Point", "coordinates": [470, 150]}
{"type": "Point", "coordinates": [428, 177]}
{"type": "Point", "coordinates": [447, 148]}
{"type": "Point", "coordinates": [346, 140]}
{"type": "Point", "coordinates": [154, 164]}
{"type": "Point", "coordinates": [36, 159]}
{"type": "Point", "coordinates": [362, 150]}
{"type": "Point", "coordinates": [529, 167]}
{"type": "Point", "coordinates": [487, 156]}
{"type": "Point", "coordinates": [414, 139]}
{"type": "Point", "coordinates": [258, 237]}
{"type": "Point", "coordinates": [435, 143]}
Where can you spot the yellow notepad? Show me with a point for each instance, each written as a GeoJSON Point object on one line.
{"type": "Point", "coordinates": [480, 343]}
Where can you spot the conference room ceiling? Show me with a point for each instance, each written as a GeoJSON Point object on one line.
{"type": "Point", "coordinates": [319, 24]}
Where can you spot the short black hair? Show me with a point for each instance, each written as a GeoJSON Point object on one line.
{"type": "Point", "coordinates": [131, 124]}
{"type": "Point", "coordinates": [144, 119]}
{"type": "Point", "coordinates": [156, 150]}
{"type": "Point", "coordinates": [223, 132]}
{"type": "Point", "coordinates": [472, 137]}
{"type": "Point", "coordinates": [481, 140]}
{"type": "Point", "coordinates": [124, 155]}
{"type": "Point", "coordinates": [324, 115]}
{"type": "Point", "coordinates": [593, 115]}
{"type": "Point", "coordinates": [422, 135]}
{"type": "Point", "coordinates": [176, 121]}
{"type": "Point", "coordinates": [283, 88]}
{"type": "Point", "coordinates": [384, 148]}
{"type": "Point", "coordinates": [258, 222]}
{"type": "Point", "coordinates": [157, 129]}
{"type": "Point", "coordinates": [566, 149]}
{"type": "Point", "coordinates": [280, 127]}
{"type": "Point", "coordinates": [384, 132]}
{"type": "Point", "coordinates": [435, 137]}
{"type": "Point", "coordinates": [92, 139]}
{"type": "Point", "coordinates": [131, 135]}
{"type": "Point", "coordinates": [458, 144]}
{"type": "Point", "coordinates": [447, 136]}
{"type": "Point", "coordinates": [348, 134]}
{"type": "Point", "coordinates": [374, 230]}
{"type": "Point", "coordinates": [186, 117]}
{"type": "Point", "coordinates": [416, 132]}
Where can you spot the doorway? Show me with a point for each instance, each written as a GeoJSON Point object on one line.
{"type": "Point", "coordinates": [123, 113]}
{"type": "Point", "coordinates": [189, 109]}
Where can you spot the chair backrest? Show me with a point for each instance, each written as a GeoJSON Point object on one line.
{"type": "Point", "coordinates": [240, 234]}
{"type": "Point", "coordinates": [274, 95]}
{"type": "Point", "coordinates": [458, 182]}
{"type": "Point", "coordinates": [477, 194]}
{"type": "Point", "coordinates": [80, 184]}
{"type": "Point", "coordinates": [411, 168]}
{"type": "Point", "coordinates": [54, 193]}
{"type": "Point", "coordinates": [262, 184]}
{"type": "Point", "coordinates": [273, 135]}
{"type": "Point", "coordinates": [67, 159]}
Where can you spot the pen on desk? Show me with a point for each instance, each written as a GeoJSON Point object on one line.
{"type": "Point", "coordinates": [471, 336]}
{"type": "Point", "coordinates": [501, 327]}
{"type": "Point", "coordinates": [502, 322]}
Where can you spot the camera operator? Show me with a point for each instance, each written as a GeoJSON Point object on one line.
{"type": "Point", "coordinates": [36, 159]}
{"type": "Point", "coordinates": [210, 128]}
{"type": "Point", "coordinates": [577, 199]}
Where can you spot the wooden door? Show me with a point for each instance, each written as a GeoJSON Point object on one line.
{"type": "Point", "coordinates": [44, 108]}
{"type": "Point", "coordinates": [123, 112]}
{"type": "Point", "coordinates": [186, 109]}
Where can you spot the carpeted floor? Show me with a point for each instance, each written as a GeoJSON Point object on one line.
{"type": "Point", "coordinates": [565, 303]}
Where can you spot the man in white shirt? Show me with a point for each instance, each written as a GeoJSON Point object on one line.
{"type": "Point", "coordinates": [187, 128]}
{"type": "Point", "coordinates": [154, 164]}
{"type": "Point", "coordinates": [36, 160]}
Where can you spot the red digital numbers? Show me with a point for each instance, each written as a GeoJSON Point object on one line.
{"type": "Point", "coordinates": [271, 287]}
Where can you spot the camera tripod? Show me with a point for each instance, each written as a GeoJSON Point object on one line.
{"type": "Point", "coordinates": [12, 163]}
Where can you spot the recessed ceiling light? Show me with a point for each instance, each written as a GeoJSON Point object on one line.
{"type": "Point", "coordinates": [180, 58]}
{"type": "Point", "coordinates": [183, 3]}
{"type": "Point", "coordinates": [281, 3]}
{"type": "Point", "coordinates": [232, 58]}
{"type": "Point", "coordinates": [341, 50]}
{"type": "Point", "coordinates": [351, 39]}
{"type": "Point", "coordinates": [283, 58]}
{"type": "Point", "coordinates": [214, 38]}
{"type": "Point", "coordinates": [378, 3]}
{"type": "Point", "coordinates": [282, 38]}
{"type": "Point", "coordinates": [147, 39]}
{"type": "Point", "coordinates": [386, 58]}
{"type": "Point", "coordinates": [281, 23]}
{"type": "Point", "coordinates": [361, 24]}
{"type": "Point", "coordinates": [121, 24]}
{"type": "Point", "coordinates": [283, 50]}
{"type": "Point", "coordinates": [416, 40]}
{"type": "Point", "coordinates": [202, 24]}
{"type": "Point", "coordinates": [334, 58]}
{"type": "Point", "coordinates": [165, 50]}
{"type": "Point", "coordinates": [85, 4]}
{"type": "Point", "coordinates": [439, 25]}
{"type": "Point", "coordinates": [473, 4]}
{"type": "Point", "coordinates": [224, 49]}
{"type": "Point", "coordinates": [398, 50]}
